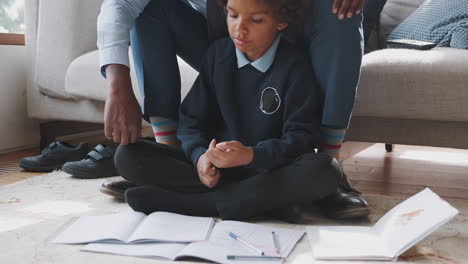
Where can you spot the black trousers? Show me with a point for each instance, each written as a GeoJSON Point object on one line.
{"type": "Point", "coordinates": [242, 192]}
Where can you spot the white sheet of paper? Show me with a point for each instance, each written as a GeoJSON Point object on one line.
{"type": "Point", "coordinates": [147, 250]}
{"type": "Point", "coordinates": [114, 227]}
{"type": "Point", "coordinates": [221, 244]}
{"type": "Point", "coordinates": [171, 227]}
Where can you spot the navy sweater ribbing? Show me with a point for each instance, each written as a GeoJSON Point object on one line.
{"type": "Point", "coordinates": [224, 103]}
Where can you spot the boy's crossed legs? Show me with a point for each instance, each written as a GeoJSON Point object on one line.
{"type": "Point", "coordinates": [169, 182]}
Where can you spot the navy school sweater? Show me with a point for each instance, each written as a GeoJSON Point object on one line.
{"type": "Point", "coordinates": [276, 113]}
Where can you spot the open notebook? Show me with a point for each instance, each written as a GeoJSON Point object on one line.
{"type": "Point", "coordinates": [135, 227]}
{"type": "Point", "coordinates": [217, 247]}
{"type": "Point", "coordinates": [173, 236]}
{"type": "Point", "coordinates": [399, 229]}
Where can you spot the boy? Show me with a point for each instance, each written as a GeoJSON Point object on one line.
{"type": "Point", "coordinates": [254, 95]}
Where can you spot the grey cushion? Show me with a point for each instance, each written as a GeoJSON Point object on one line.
{"type": "Point", "coordinates": [394, 12]}
{"type": "Point", "coordinates": [437, 21]}
{"type": "Point", "coordinates": [414, 84]}
{"type": "Point", "coordinates": [85, 82]}
{"type": "Point", "coordinates": [63, 34]}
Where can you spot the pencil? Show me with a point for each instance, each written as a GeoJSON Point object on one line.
{"type": "Point", "coordinates": [276, 242]}
{"type": "Point", "coordinates": [235, 257]}
{"type": "Point", "coordinates": [236, 237]}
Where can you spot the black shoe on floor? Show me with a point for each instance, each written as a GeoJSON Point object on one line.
{"type": "Point", "coordinates": [54, 156]}
{"type": "Point", "coordinates": [117, 189]}
{"type": "Point", "coordinates": [98, 163]}
{"type": "Point", "coordinates": [346, 203]}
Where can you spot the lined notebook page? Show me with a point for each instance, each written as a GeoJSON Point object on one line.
{"type": "Point", "coordinates": [117, 227]}
{"type": "Point", "coordinates": [169, 227]}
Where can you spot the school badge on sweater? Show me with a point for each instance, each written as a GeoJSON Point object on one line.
{"type": "Point", "coordinates": [270, 101]}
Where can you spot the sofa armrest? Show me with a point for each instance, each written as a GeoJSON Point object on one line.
{"type": "Point", "coordinates": [66, 29]}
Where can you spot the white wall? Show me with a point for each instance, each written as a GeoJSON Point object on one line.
{"type": "Point", "coordinates": [17, 131]}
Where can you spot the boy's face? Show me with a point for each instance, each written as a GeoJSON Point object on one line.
{"type": "Point", "coordinates": [252, 26]}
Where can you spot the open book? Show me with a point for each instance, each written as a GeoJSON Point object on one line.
{"type": "Point", "coordinates": [173, 236]}
{"type": "Point", "coordinates": [217, 247]}
{"type": "Point", "coordinates": [136, 227]}
{"type": "Point", "coordinates": [398, 230]}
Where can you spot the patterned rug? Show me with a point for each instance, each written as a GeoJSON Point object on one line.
{"type": "Point", "coordinates": [34, 210]}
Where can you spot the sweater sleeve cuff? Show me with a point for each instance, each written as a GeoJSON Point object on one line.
{"type": "Point", "coordinates": [260, 159]}
{"type": "Point", "coordinates": [196, 153]}
{"type": "Point", "coordinates": [113, 55]}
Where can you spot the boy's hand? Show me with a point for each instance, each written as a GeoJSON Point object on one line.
{"type": "Point", "coordinates": [229, 154]}
{"type": "Point", "coordinates": [207, 173]}
{"type": "Point", "coordinates": [347, 8]}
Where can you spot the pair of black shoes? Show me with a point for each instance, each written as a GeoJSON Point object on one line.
{"type": "Point", "coordinates": [76, 160]}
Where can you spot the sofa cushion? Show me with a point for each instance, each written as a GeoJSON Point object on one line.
{"type": "Point", "coordinates": [436, 21]}
{"type": "Point", "coordinates": [85, 82]}
{"type": "Point", "coordinates": [414, 84]}
{"type": "Point", "coordinates": [394, 12]}
{"type": "Point", "coordinates": [63, 34]}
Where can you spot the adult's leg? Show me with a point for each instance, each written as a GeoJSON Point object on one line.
{"type": "Point", "coordinates": [309, 178]}
{"type": "Point", "coordinates": [335, 48]}
{"type": "Point", "coordinates": [164, 29]}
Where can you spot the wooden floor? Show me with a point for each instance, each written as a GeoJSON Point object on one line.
{"type": "Point", "coordinates": [406, 170]}
{"type": "Point", "coordinates": [409, 169]}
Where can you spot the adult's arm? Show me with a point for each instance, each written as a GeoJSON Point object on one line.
{"type": "Point", "coordinates": [113, 26]}
{"type": "Point", "coordinates": [122, 113]}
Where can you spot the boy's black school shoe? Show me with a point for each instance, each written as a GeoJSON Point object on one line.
{"type": "Point", "coordinates": [98, 163]}
{"type": "Point", "coordinates": [54, 156]}
{"type": "Point", "coordinates": [117, 189]}
{"type": "Point", "coordinates": [344, 205]}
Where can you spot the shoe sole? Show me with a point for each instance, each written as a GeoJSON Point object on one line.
{"type": "Point", "coordinates": [117, 195]}
{"type": "Point", "coordinates": [84, 174]}
{"type": "Point", "coordinates": [351, 213]}
{"type": "Point", "coordinates": [40, 169]}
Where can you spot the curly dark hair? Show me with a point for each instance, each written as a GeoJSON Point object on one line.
{"type": "Point", "coordinates": [287, 11]}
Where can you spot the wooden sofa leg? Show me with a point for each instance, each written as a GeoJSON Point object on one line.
{"type": "Point", "coordinates": [389, 147]}
{"type": "Point", "coordinates": [51, 130]}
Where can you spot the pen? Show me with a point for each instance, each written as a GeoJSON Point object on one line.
{"type": "Point", "coordinates": [236, 237]}
{"type": "Point", "coordinates": [276, 242]}
{"type": "Point", "coordinates": [234, 257]}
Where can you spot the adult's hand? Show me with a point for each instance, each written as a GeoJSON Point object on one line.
{"type": "Point", "coordinates": [122, 113]}
{"type": "Point", "coordinates": [208, 174]}
{"type": "Point", "coordinates": [347, 8]}
{"type": "Point", "coordinates": [230, 154]}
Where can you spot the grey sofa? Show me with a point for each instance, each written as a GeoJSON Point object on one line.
{"type": "Point", "coordinates": [404, 96]}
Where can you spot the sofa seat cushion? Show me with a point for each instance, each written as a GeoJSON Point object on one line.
{"type": "Point", "coordinates": [414, 84]}
{"type": "Point", "coordinates": [85, 82]}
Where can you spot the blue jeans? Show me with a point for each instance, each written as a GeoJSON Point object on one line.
{"type": "Point", "coordinates": [164, 29]}
{"type": "Point", "coordinates": [167, 28]}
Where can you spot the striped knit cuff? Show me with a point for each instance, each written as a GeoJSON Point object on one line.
{"type": "Point", "coordinates": [331, 140]}
{"type": "Point", "coordinates": [165, 130]}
